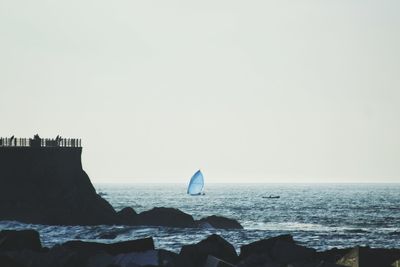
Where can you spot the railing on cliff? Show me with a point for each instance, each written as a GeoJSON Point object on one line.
{"type": "Point", "coordinates": [40, 142]}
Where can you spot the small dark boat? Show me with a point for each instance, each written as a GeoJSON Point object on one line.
{"type": "Point", "coordinates": [272, 197]}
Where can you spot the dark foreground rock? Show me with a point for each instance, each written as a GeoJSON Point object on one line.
{"type": "Point", "coordinates": [11, 240]}
{"type": "Point", "coordinates": [139, 245]}
{"type": "Point", "coordinates": [369, 257]}
{"type": "Point", "coordinates": [7, 261]}
{"type": "Point", "coordinates": [264, 246]}
{"type": "Point", "coordinates": [214, 245]}
{"type": "Point", "coordinates": [23, 249]}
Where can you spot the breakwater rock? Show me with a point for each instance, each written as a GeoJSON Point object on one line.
{"type": "Point", "coordinates": [47, 185]}
{"type": "Point", "coordinates": [23, 249]}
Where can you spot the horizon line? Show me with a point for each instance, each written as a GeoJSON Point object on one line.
{"type": "Point", "coordinates": [250, 182]}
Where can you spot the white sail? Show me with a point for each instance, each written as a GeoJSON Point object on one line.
{"type": "Point", "coordinates": [196, 184]}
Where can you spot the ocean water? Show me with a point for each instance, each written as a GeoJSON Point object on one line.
{"type": "Point", "coordinates": [322, 216]}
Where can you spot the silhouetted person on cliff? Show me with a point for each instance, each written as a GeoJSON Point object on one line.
{"type": "Point", "coordinates": [36, 141]}
{"type": "Point", "coordinates": [58, 140]}
{"type": "Point", "coordinates": [11, 141]}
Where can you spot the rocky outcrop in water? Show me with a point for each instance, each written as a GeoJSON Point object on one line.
{"type": "Point", "coordinates": [170, 217]}
{"type": "Point", "coordinates": [47, 185]}
{"type": "Point", "coordinates": [219, 222]}
{"type": "Point", "coordinates": [213, 251]}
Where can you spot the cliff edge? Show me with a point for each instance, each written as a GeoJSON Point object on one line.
{"type": "Point", "coordinates": [47, 185]}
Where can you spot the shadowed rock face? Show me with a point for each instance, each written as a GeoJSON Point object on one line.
{"type": "Point", "coordinates": [23, 249]}
{"type": "Point", "coordinates": [48, 186]}
{"type": "Point", "coordinates": [196, 254]}
{"type": "Point", "coordinates": [369, 257]}
{"type": "Point", "coordinates": [220, 222]}
{"type": "Point", "coordinates": [19, 240]}
{"type": "Point", "coordinates": [165, 217]}
{"type": "Point", "coordinates": [263, 246]}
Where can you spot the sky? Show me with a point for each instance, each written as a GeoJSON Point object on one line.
{"type": "Point", "coordinates": [247, 91]}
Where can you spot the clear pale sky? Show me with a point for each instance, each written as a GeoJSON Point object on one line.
{"type": "Point", "coordinates": [247, 91]}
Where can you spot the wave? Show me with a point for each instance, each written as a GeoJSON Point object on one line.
{"type": "Point", "coordinates": [395, 233]}
{"type": "Point", "coordinates": [357, 231]}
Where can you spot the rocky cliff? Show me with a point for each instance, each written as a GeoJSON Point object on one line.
{"type": "Point", "coordinates": [47, 185]}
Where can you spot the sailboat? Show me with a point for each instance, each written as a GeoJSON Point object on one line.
{"type": "Point", "coordinates": [196, 184]}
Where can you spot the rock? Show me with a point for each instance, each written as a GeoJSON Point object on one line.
{"type": "Point", "coordinates": [288, 252]}
{"type": "Point", "coordinates": [220, 222]}
{"type": "Point", "coordinates": [138, 245]}
{"type": "Point", "coordinates": [64, 257]}
{"type": "Point", "coordinates": [149, 257]}
{"type": "Point", "coordinates": [312, 264]}
{"type": "Point", "coordinates": [332, 255]}
{"type": "Point", "coordinates": [100, 260]}
{"type": "Point", "coordinates": [328, 264]}
{"type": "Point", "coordinates": [368, 257]}
{"type": "Point", "coordinates": [263, 246]}
{"type": "Point", "coordinates": [6, 261]}
{"type": "Point", "coordinates": [165, 217]}
{"type": "Point", "coordinates": [256, 260]}
{"type": "Point", "coordinates": [127, 216]}
{"type": "Point", "coordinates": [215, 262]}
{"type": "Point", "coordinates": [18, 240]}
{"type": "Point", "coordinates": [169, 259]}
{"type": "Point", "coordinates": [57, 256]}
{"type": "Point", "coordinates": [47, 185]}
{"type": "Point", "coordinates": [196, 255]}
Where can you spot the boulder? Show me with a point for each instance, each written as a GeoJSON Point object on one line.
{"type": "Point", "coordinates": [368, 257]}
{"type": "Point", "coordinates": [215, 262]}
{"type": "Point", "coordinates": [127, 216]}
{"type": "Point", "coordinates": [196, 255]}
{"type": "Point", "coordinates": [145, 258]}
{"type": "Point", "coordinates": [328, 264]}
{"type": "Point", "coordinates": [256, 260]}
{"type": "Point", "coordinates": [220, 222]}
{"type": "Point", "coordinates": [332, 255]}
{"type": "Point", "coordinates": [165, 217]}
{"type": "Point", "coordinates": [18, 240]}
{"type": "Point", "coordinates": [157, 257]}
{"type": "Point", "coordinates": [168, 259]}
{"type": "Point", "coordinates": [6, 261]}
{"type": "Point", "coordinates": [288, 252]}
{"type": "Point", "coordinates": [57, 256]}
{"type": "Point", "coordinates": [313, 264]}
{"type": "Point", "coordinates": [138, 245]}
{"type": "Point", "coordinates": [263, 246]}
{"type": "Point", "coordinates": [100, 260]}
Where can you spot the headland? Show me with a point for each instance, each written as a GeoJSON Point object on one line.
{"type": "Point", "coordinates": [43, 182]}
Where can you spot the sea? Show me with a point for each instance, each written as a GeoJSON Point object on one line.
{"type": "Point", "coordinates": [322, 216]}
